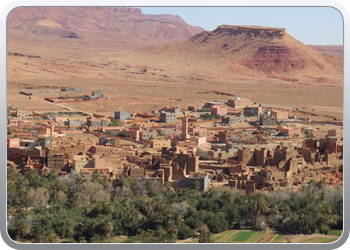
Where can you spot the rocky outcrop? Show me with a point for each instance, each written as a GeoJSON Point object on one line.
{"type": "Point", "coordinates": [250, 31]}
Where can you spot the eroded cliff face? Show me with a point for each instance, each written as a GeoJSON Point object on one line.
{"type": "Point", "coordinates": [275, 58]}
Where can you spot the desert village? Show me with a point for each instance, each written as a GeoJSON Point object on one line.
{"type": "Point", "coordinates": [235, 142]}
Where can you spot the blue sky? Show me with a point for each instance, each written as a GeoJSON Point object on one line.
{"type": "Point", "coordinates": [310, 25]}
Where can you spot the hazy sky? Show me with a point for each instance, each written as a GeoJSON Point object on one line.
{"type": "Point", "coordinates": [310, 25]}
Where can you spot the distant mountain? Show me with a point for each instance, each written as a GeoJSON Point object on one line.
{"type": "Point", "coordinates": [118, 22]}
{"type": "Point", "coordinates": [332, 50]}
{"type": "Point", "coordinates": [254, 51]}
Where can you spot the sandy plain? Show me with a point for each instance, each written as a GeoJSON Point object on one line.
{"type": "Point", "coordinates": [137, 82]}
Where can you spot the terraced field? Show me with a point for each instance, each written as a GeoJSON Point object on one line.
{"type": "Point", "coordinates": [238, 236]}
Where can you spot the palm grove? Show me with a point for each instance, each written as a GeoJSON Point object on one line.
{"type": "Point", "coordinates": [48, 208]}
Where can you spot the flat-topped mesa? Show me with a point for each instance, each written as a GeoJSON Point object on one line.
{"type": "Point", "coordinates": [251, 31]}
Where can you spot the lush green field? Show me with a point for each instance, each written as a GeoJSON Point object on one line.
{"type": "Point", "coordinates": [254, 237]}
{"type": "Point", "coordinates": [243, 236]}
{"type": "Point", "coordinates": [233, 236]}
{"type": "Point", "coordinates": [277, 238]}
{"type": "Point", "coordinates": [335, 232]}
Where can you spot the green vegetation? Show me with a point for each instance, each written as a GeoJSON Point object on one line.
{"type": "Point", "coordinates": [232, 235]}
{"type": "Point", "coordinates": [116, 123]}
{"type": "Point", "coordinates": [243, 236]}
{"type": "Point", "coordinates": [335, 232]}
{"type": "Point", "coordinates": [277, 238]}
{"type": "Point", "coordinates": [209, 117]}
{"type": "Point", "coordinates": [124, 134]}
{"type": "Point", "coordinates": [220, 236]}
{"type": "Point", "coordinates": [136, 125]}
{"type": "Point", "coordinates": [64, 97]}
{"type": "Point", "coordinates": [278, 123]}
{"type": "Point", "coordinates": [42, 207]}
{"type": "Point", "coordinates": [203, 109]}
{"type": "Point", "coordinates": [254, 237]}
{"type": "Point", "coordinates": [309, 134]}
{"type": "Point", "coordinates": [202, 155]}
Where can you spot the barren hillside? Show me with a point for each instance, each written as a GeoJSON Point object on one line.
{"type": "Point", "coordinates": [251, 51]}
{"type": "Point", "coordinates": [145, 62]}
{"type": "Point", "coordinates": [120, 24]}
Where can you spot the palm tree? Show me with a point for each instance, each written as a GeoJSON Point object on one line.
{"type": "Point", "coordinates": [22, 229]}
{"type": "Point", "coordinates": [172, 231]}
{"type": "Point", "coordinates": [107, 229]}
{"type": "Point", "coordinates": [226, 198]}
{"type": "Point", "coordinates": [258, 204]}
{"type": "Point", "coordinates": [105, 183]}
{"type": "Point", "coordinates": [205, 236]}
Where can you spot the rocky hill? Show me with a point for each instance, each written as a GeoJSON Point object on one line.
{"type": "Point", "coordinates": [254, 51]}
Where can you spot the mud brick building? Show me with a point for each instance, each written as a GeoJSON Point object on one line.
{"type": "Point", "coordinates": [233, 119]}
{"type": "Point", "coordinates": [280, 115]}
{"type": "Point", "coordinates": [238, 102]}
{"type": "Point", "coordinates": [217, 110]}
{"type": "Point", "coordinates": [215, 103]}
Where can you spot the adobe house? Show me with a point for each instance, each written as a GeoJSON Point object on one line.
{"type": "Point", "coordinates": [80, 162]}
{"type": "Point", "coordinates": [136, 172]}
{"type": "Point", "coordinates": [280, 115]}
{"type": "Point", "coordinates": [289, 131]}
{"type": "Point", "coordinates": [97, 94]}
{"type": "Point", "coordinates": [188, 162]}
{"type": "Point", "coordinates": [233, 119]}
{"type": "Point", "coordinates": [24, 134]}
{"type": "Point", "coordinates": [71, 150]}
{"type": "Point", "coordinates": [215, 103]}
{"type": "Point", "coordinates": [246, 156]}
{"type": "Point", "coordinates": [217, 110]}
{"type": "Point", "coordinates": [160, 143]}
{"type": "Point", "coordinates": [238, 102]}
{"type": "Point", "coordinates": [13, 142]}
{"type": "Point", "coordinates": [58, 162]}
{"type": "Point", "coordinates": [23, 115]}
{"type": "Point", "coordinates": [230, 135]}
{"type": "Point", "coordinates": [102, 150]}
{"type": "Point", "coordinates": [147, 134]}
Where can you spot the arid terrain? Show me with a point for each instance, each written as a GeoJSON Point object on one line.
{"type": "Point", "coordinates": [144, 62]}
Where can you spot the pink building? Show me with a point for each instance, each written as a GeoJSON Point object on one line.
{"type": "Point", "coordinates": [290, 131]}
{"type": "Point", "coordinates": [13, 142]}
{"type": "Point", "coordinates": [215, 110]}
{"type": "Point", "coordinates": [99, 162]}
